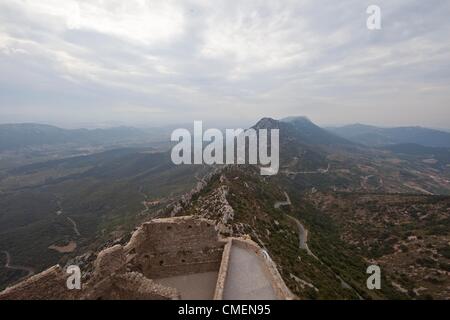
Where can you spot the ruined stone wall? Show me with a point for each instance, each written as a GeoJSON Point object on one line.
{"type": "Point", "coordinates": [130, 286]}
{"type": "Point", "coordinates": [223, 271]}
{"type": "Point", "coordinates": [48, 285]}
{"type": "Point", "coordinates": [158, 249]}
{"type": "Point", "coordinates": [175, 246]}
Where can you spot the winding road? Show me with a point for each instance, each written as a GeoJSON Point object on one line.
{"type": "Point", "coordinates": [318, 171]}
{"type": "Point", "coordinates": [8, 265]}
{"type": "Point", "coordinates": [303, 237]}
{"type": "Point", "coordinates": [74, 224]}
{"type": "Point", "coordinates": [303, 243]}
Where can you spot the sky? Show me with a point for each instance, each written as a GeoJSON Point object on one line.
{"type": "Point", "coordinates": [145, 63]}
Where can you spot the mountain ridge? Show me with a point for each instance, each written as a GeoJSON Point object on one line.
{"type": "Point", "coordinates": [379, 136]}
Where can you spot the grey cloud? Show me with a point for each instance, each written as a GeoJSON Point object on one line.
{"type": "Point", "coordinates": [226, 60]}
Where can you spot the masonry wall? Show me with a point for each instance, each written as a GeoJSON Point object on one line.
{"type": "Point", "coordinates": [176, 246]}
{"type": "Point", "coordinates": [130, 286]}
{"type": "Point", "coordinates": [48, 285]}
{"type": "Point", "coordinates": [158, 249]}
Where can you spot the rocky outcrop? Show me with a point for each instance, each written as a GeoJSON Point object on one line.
{"type": "Point", "coordinates": [216, 207]}
{"type": "Point", "coordinates": [186, 198]}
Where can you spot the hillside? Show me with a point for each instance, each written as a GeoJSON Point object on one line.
{"type": "Point", "coordinates": [243, 203]}
{"type": "Point", "coordinates": [55, 210]}
{"type": "Point", "coordinates": [312, 134]}
{"type": "Point", "coordinates": [313, 158]}
{"type": "Point", "coordinates": [335, 208]}
{"type": "Point", "coordinates": [355, 206]}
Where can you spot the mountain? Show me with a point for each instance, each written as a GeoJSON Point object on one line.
{"type": "Point", "coordinates": [16, 136]}
{"type": "Point", "coordinates": [359, 205]}
{"type": "Point", "coordinates": [312, 134]}
{"type": "Point", "coordinates": [322, 241]}
{"type": "Point", "coordinates": [313, 157]}
{"type": "Point", "coordinates": [335, 208]}
{"type": "Point", "coordinates": [376, 136]}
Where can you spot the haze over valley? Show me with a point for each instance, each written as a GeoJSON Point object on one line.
{"type": "Point", "coordinates": [337, 187]}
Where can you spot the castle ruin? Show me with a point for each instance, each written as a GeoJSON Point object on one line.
{"type": "Point", "coordinates": [167, 259]}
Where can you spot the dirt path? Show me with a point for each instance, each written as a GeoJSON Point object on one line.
{"type": "Point", "coordinates": [75, 226]}
{"type": "Point", "coordinates": [8, 265]}
{"type": "Point", "coordinates": [61, 212]}
{"type": "Point", "coordinates": [146, 208]}
{"type": "Point", "coordinates": [319, 171]}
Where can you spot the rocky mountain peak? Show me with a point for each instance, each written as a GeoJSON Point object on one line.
{"type": "Point", "coordinates": [267, 123]}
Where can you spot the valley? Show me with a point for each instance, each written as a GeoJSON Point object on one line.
{"type": "Point", "coordinates": [79, 203]}
{"type": "Point", "coordinates": [335, 208]}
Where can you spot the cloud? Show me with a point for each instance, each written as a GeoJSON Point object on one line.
{"type": "Point", "coordinates": [254, 39]}
{"type": "Point", "coordinates": [87, 61]}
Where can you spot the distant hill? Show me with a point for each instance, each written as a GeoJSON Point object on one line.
{"type": "Point", "coordinates": [16, 136]}
{"type": "Point", "coordinates": [376, 136]}
{"type": "Point", "coordinates": [302, 131]}
{"type": "Point", "coordinates": [316, 158]}
{"type": "Point", "coordinates": [304, 145]}
{"type": "Point", "coordinates": [313, 134]}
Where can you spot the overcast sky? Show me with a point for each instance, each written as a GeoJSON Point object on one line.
{"type": "Point", "coordinates": [138, 62]}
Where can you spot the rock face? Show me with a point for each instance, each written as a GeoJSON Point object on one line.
{"type": "Point", "coordinates": [187, 197]}
{"type": "Point", "coordinates": [158, 249]}
{"type": "Point", "coordinates": [216, 207]}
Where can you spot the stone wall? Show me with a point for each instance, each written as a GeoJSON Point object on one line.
{"type": "Point", "coordinates": [223, 271]}
{"type": "Point", "coordinates": [47, 285]}
{"type": "Point", "coordinates": [158, 249]}
{"type": "Point", "coordinates": [175, 246]}
{"type": "Point", "coordinates": [130, 286]}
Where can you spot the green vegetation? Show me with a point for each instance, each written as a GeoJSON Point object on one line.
{"type": "Point", "coordinates": [101, 193]}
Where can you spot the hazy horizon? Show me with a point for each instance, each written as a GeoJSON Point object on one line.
{"type": "Point", "coordinates": [146, 63]}
{"type": "Point", "coordinates": [207, 124]}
